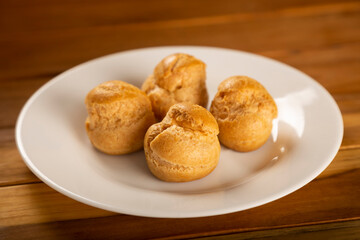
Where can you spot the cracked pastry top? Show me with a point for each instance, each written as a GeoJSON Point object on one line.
{"type": "Point", "coordinates": [184, 146]}
{"type": "Point", "coordinates": [118, 116]}
{"type": "Point", "coordinates": [244, 111]}
{"type": "Point", "coordinates": [177, 78]}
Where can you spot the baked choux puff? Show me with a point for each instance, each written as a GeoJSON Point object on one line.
{"type": "Point", "coordinates": [244, 111]}
{"type": "Point", "coordinates": [119, 115]}
{"type": "Point", "coordinates": [177, 78]}
{"type": "Point", "coordinates": [184, 146]}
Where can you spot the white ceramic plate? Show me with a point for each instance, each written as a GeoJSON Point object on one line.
{"type": "Point", "coordinates": [306, 136]}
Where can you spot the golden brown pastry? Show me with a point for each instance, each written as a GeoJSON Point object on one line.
{"type": "Point", "coordinates": [177, 78]}
{"type": "Point", "coordinates": [184, 146]}
{"type": "Point", "coordinates": [244, 111]}
{"type": "Point", "coordinates": [119, 115]}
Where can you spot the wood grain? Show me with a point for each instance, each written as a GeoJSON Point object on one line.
{"type": "Point", "coordinates": [13, 169]}
{"type": "Point", "coordinates": [340, 231]}
{"type": "Point", "coordinates": [333, 203]}
{"type": "Point", "coordinates": [37, 203]}
{"type": "Point", "coordinates": [13, 94]}
{"type": "Point", "coordinates": [348, 230]}
{"type": "Point", "coordinates": [27, 55]}
{"type": "Point", "coordinates": [40, 39]}
{"type": "Point", "coordinates": [50, 15]}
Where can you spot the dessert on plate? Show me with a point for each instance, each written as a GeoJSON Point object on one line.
{"type": "Point", "coordinates": [184, 146]}
{"type": "Point", "coordinates": [177, 78]}
{"type": "Point", "coordinates": [244, 111]}
{"type": "Point", "coordinates": [119, 115]}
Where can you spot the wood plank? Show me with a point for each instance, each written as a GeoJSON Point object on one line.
{"type": "Point", "coordinates": [348, 103]}
{"type": "Point", "coordinates": [342, 80]}
{"type": "Point", "coordinates": [335, 67]}
{"type": "Point", "coordinates": [320, 56]}
{"type": "Point", "coordinates": [349, 230]}
{"type": "Point", "coordinates": [332, 196]}
{"type": "Point", "coordinates": [51, 52]}
{"type": "Point", "coordinates": [36, 209]}
{"type": "Point", "coordinates": [351, 137]}
{"type": "Point", "coordinates": [13, 169]}
{"type": "Point", "coordinates": [345, 161]}
{"type": "Point", "coordinates": [13, 96]}
{"type": "Point", "coordinates": [37, 202]}
{"type": "Point", "coordinates": [44, 15]}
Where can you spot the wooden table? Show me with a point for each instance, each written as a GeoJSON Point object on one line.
{"type": "Point", "coordinates": [40, 39]}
